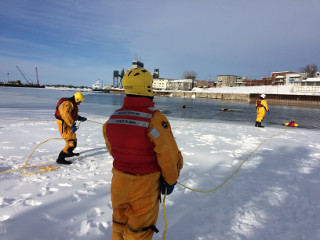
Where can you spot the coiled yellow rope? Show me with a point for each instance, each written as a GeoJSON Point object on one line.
{"type": "Point", "coordinates": [42, 169]}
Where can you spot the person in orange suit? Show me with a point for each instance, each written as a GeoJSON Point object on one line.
{"type": "Point", "coordinates": [67, 115]}
{"type": "Point", "coordinates": [262, 109]}
{"type": "Point", "coordinates": [147, 161]}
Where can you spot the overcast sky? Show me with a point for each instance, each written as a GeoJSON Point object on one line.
{"type": "Point", "coordinates": [78, 42]}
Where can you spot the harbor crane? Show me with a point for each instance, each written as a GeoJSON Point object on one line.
{"type": "Point", "coordinates": [24, 76]}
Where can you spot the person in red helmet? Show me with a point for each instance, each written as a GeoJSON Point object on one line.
{"type": "Point", "coordinates": [67, 115]}
{"type": "Point", "coordinates": [147, 161]}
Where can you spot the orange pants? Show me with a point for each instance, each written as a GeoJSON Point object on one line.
{"type": "Point", "coordinates": [68, 135]}
{"type": "Point", "coordinates": [135, 203]}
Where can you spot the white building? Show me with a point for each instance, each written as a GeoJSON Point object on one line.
{"type": "Point", "coordinates": [309, 85]}
{"type": "Point", "coordinates": [293, 79]}
{"type": "Point", "coordinates": [182, 84]}
{"type": "Point", "coordinates": [173, 84]}
{"type": "Point", "coordinates": [160, 84]}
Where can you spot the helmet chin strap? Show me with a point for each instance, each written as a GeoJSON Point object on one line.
{"type": "Point", "coordinates": [131, 95]}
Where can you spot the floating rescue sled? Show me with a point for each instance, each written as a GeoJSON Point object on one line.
{"type": "Point", "coordinates": [225, 109]}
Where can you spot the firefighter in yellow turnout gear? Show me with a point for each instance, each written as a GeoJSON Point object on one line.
{"type": "Point", "coordinates": [262, 109]}
{"type": "Point", "coordinates": [146, 159]}
{"type": "Point", "coordinates": [67, 115]}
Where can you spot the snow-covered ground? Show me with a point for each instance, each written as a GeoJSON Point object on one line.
{"type": "Point", "coordinates": [274, 195]}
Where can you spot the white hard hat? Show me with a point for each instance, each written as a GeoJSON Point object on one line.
{"type": "Point", "coordinates": [263, 95]}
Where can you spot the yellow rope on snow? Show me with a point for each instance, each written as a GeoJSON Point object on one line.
{"type": "Point", "coordinates": [52, 167]}
{"type": "Point", "coordinates": [212, 190]}
{"type": "Point", "coordinates": [94, 122]}
{"type": "Point", "coordinates": [225, 181]}
{"type": "Point", "coordinates": [41, 168]}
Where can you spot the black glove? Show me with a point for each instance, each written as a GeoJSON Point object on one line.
{"type": "Point", "coordinates": [82, 119]}
{"type": "Point", "coordinates": [74, 128]}
{"type": "Point", "coordinates": [164, 185]}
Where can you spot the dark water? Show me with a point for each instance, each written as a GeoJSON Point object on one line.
{"type": "Point", "coordinates": [104, 104]}
{"type": "Point", "coordinates": [209, 110]}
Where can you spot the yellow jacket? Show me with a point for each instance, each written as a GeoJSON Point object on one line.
{"type": "Point", "coordinates": [65, 110]}
{"type": "Point", "coordinates": [261, 111]}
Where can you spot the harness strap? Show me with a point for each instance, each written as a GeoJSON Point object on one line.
{"type": "Point", "coordinates": [152, 227]}
{"type": "Point", "coordinates": [118, 222]}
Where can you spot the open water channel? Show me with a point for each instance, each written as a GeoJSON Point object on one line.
{"type": "Point", "coordinates": [209, 110]}
{"type": "Point", "coordinates": [104, 104]}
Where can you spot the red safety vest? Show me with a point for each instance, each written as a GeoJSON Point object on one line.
{"type": "Point", "coordinates": [127, 132]}
{"type": "Point", "coordinates": [259, 103]}
{"type": "Point", "coordinates": [74, 112]}
{"type": "Point", "coordinates": [291, 124]}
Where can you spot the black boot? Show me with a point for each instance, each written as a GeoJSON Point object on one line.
{"type": "Point", "coordinates": [259, 125]}
{"type": "Point", "coordinates": [71, 154]}
{"type": "Point", "coordinates": [61, 158]}
{"type": "Point", "coordinates": [70, 151]}
{"type": "Point", "coordinates": [256, 124]}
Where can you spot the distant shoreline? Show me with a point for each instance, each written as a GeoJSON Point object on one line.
{"type": "Point", "coordinates": [272, 98]}
{"type": "Point", "coordinates": [21, 85]}
{"type": "Point", "coordinates": [280, 99]}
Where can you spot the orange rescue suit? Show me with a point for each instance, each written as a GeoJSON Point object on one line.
{"type": "Point", "coordinates": [138, 133]}
{"type": "Point", "coordinates": [68, 114]}
{"type": "Point", "coordinates": [262, 109]}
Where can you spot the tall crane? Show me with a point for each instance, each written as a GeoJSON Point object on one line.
{"type": "Point", "coordinates": [24, 76]}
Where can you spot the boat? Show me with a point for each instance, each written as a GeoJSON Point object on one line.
{"type": "Point", "coordinates": [98, 87]}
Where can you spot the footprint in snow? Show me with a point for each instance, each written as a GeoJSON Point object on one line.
{"type": "Point", "coordinates": [30, 202]}
{"type": "Point", "coordinates": [4, 218]}
{"type": "Point", "coordinates": [84, 227]}
{"type": "Point", "coordinates": [103, 226]}
{"type": "Point", "coordinates": [95, 212]}
{"type": "Point", "coordinates": [8, 201]}
{"type": "Point", "coordinates": [48, 218]}
{"type": "Point", "coordinates": [47, 190]}
{"type": "Point", "coordinates": [65, 185]}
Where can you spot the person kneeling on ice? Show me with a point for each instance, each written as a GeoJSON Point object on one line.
{"type": "Point", "coordinates": [262, 109]}
{"type": "Point", "coordinates": [147, 160]}
{"type": "Point", "coordinates": [67, 115]}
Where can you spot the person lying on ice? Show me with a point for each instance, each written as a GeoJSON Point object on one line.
{"type": "Point", "coordinates": [67, 115]}
{"type": "Point", "coordinates": [262, 109]}
{"type": "Point", "coordinates": [146, 159]}
{"type": "Point", "coordinates": [292, 123]}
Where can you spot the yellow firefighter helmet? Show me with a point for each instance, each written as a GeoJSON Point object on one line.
{"type": "Point", "coordinates": [78, 97]}
{"type": "Point", "coordinates": [138, 81]}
